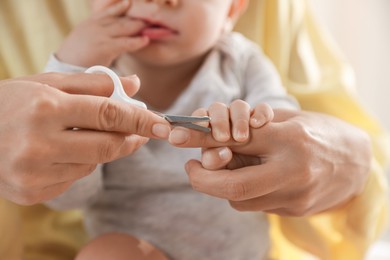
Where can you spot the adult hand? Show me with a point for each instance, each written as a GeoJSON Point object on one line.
{"type": "Point", "coordinates": [50, 138]}
{"type": "Point", "coordinates": [104, 36]}
{"type": "Point", "coordinates": [300, 164]}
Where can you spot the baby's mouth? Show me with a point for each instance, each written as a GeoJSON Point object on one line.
{"type": "Point", "coordinates": [157, 31]}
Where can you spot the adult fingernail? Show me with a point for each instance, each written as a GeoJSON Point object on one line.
{"type": "Point", "coordinates": [179, 136]}
{"type": "Point", "coordinates": [224, 153]}
{"type": "Point", "coordinates": [161, 131]}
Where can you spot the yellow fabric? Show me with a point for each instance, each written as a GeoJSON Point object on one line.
{"type": "Point", "coordinates": [311, 68]}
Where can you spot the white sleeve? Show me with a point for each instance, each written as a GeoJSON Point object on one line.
{"type": "Point", "coordinates": [55, 65]}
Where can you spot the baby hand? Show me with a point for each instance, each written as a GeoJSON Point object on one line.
{"type": "Point", "coordinates": [233, 122]}
{"type": "Point", "coordinates": [105, 35]}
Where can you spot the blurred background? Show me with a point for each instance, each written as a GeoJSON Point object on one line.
{"type": "Point", "coordinates": [361, 28]}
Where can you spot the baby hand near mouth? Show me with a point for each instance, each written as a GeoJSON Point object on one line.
{"type": "Point", "coordinates": [104, 36]}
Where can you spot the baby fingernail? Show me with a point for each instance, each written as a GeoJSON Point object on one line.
{"type": "Point", "coordinates": [222, 136]}
{"type": "Point", "coordinates": [240, 136]}
{"type": "Point", "coordinates": [257, 122]}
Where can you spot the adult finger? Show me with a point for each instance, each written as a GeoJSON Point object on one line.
{"type": "Point", "coordinates": [59, 173]}
{"type": "Point", "coordinates": [222, 157]}
{"type": "Point", "coordinates": [287, 201]}
{"type": "Point", "coordinates": [183, 137]}
{"type": "Point", "coordinates": [98, 113]}
{"type": "Point", "coordinates": [236, 185]}
{"type": "Point", "coordinates": [242, 160]}
{"type": "Point", "coordinates": [262, 140]}
{"type": "Point", "coordinates": [263, 203]}
{"type": "Point", "coordinates": [216, 158]}
{"type": "Point", "coordinates": [31, 197]}
{"type": "Point", "coordinates": [91, 147]}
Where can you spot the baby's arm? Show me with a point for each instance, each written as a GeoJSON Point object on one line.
{"type": "Point", "coordinates": [119, 246]}
{"type": "Point", "coordinates": [100, 39]}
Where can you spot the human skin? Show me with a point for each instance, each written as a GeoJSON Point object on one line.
{"type": "Point", "coordinates": [234, 121]}
{"type": "Point", "coordinates": [125, 33]}
{"type": "Point", "coordinates": [178, 36]}
{"type": "Point", "coordinates": [105, 35]}
{"type": "Point", "coordinates": [119, 246]}
{"type": "Point", "coordinates": [180, 31]}
{"type": "Point", "coordinates": [51, 135]}
{"type": "Point", "coordinates": [190, 29]}
{"type": "Point", "coordinates": [300, 164]}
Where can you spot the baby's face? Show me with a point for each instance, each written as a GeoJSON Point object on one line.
{"type": "Point", "coordinates": [179, 30]}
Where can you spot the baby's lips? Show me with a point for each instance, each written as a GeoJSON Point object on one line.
{"type": "Point", "coordinates": [154, 29]}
